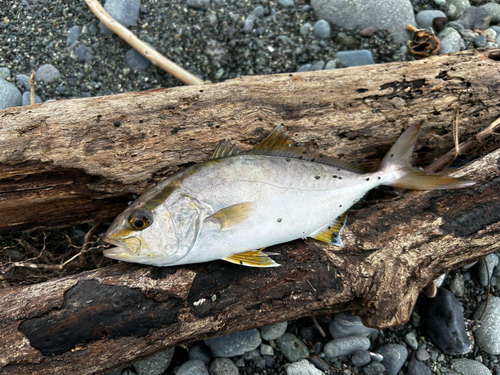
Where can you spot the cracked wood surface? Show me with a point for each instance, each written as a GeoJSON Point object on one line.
{"type": "Point", "coordinates": [108, 318]}
{"type": "Point", "coordinates": [79, 160]}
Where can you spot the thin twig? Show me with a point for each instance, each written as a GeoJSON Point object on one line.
{"type": "Point", "coordinates": [32, 88]}
{"type": "Point", "coordinates": [447, 158]}
{"type": "Point", "coordinates": [488, 291]}
{"type": "Point", "coordinates": [455, 132]}
{"type": "Point", "coordinates": [141, 47]}
{"type": "Point", "coordinates": [322, 333]}
{"type": "Point", "coordinates": [86, 244]}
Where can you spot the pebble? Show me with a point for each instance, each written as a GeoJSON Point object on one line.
{"type": "Point", "coordinates": [322, 29]}
{"type": "Point", "coordinates": [452, 42]}
{"type": "Point", "coordinates": [259, 11]}
{"type": "Point", "coordinates": [367, 31]}
{"type": "Point", "coordinates": [411, 339]}
{"type": "Point", "coordinates": [302, 367]}
{"type": "Point", "coordinates": [330, 64]}
{"type": "Point", "coordinates": [346, 324]}
{"type": "Point", "coordinates": [422, 354]}
{"type": "Point", "coordinates": [272, 332]}
{"type": "Point", "coordinates": [84, 54]}
{"type": "Point", "coordinates": [26, 99]}
{"type": "Point", "coordinates": [455, 8]}
{"type": "Point", "coordinates": [155, 365]}
{"type": "Point", "coordinates": [392, 15]}
{"type": "Point", "coordinates": [291, 347]}
{"type": "Point", "coordinates": [10, 96]}
{"type": "Point", "coordinates": [491, 259]}
{"type": "Point", "coordinates": [374, 368]}
{"type": "Point", "coordinates": [4, 73]}
{"type": "Point", "coordinates": [235, 343]}
{"type": "Point", "coordinates": [439, 23]}
{"type": "Point", "coordinates": [73, 35]}
{"type": "Point", "coordinates": [491, 34]}
{"type": "Point", "coordinates": [469, 367]}
{"type": "Point", "coordinates": [266, 349]}
{"type": "Point", "coordinates": [361, 358]}
{"type": "Point", "coordinates": [320, 364]}
{"type": "Point", "coordinates": [223, 366]}
{"type": "Point", "coordinates": [47, 73]}
{"type": "Point", "coordinates": [457, 286]}
{"type": "Point", "coordinates": [416, 367]}
{"type": "Point", "coordinates": [318, 65]}
{"type": "Point", "coordinates": [394, 357]}
{"type": "Point", "coordinates": [480, 41]}
{"type": "Point", "coordinates": [474, 18]}
{"type": "Point", "coordinates": [286, 3]}
{"type": "Point", "coordinates": [136, 61]}
{"type": "Point", "coordinates": [444, 322]}
{"type": "Point", "coordinates": [487, 336]}
{"type": "Point", "coordinates": [192, 367]}
{"type": "Point", "coordinates": [305, 68]}
{"type": "Point", "coordinates": [493, 10]}
{"type": "Point", "coordinates": [24, 80]}
{"type": "Point", "coordinates": [440, 3]}
{"type": "Point", "coordinates": [355, 58]}
{"type": "Point", "coordinates": [425, 17]}
{"type": "Point", "coordinates": [200, 352]}
{"type": "Point", "coordinates": [346, 346]}
{"type": "Point", "coordinates": [249, 23]}
{"type": "Point", "coordinates": [125, 12]}
{"type": "Point", "coordinates": [305, 29]}
{"type": "Point", "coordinates": [269, 360]}
{"type": "Point", "coordinates": [346, 41]}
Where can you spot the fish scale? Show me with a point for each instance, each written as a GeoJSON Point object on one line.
{"type": "Point", "coordinates": [235, 204]}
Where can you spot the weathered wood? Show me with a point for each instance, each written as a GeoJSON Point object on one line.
{"type": "Point", "coordinates": [104, 319]}
{"type": "Point", "coordinates": [72, 161]}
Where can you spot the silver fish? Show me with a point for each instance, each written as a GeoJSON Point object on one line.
{"type": "Point", "coordinates": [235, 204]}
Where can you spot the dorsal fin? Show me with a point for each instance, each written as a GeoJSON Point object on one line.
{"type": "Point", "coordinates": [279, 144]}
{"type": "Point", "coordinates": [223, 149]}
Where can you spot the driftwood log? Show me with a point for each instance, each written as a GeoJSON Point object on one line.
{"type": "Point", "coordinates": [69, 161]}
{"type": "Point", "coordinates": [78, 160]}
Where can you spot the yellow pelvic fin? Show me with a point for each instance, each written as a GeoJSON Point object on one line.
{"type": "Point", "coordinates": [234, 215]}
{"type": "Point", "coordinates": [254, 258]}
{"type": "Point", "coordinates": [331, 233]}
{"type": "Point", "coordinates": [279, 144]}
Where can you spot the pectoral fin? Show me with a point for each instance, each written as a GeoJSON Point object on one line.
{"type": "Point", "coordinates": [234, 215]}
{"type": "Point", "coordinates": [331, 233]}
{"type": "Point", "coordinates": [255, 258]}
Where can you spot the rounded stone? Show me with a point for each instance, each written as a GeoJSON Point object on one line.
{"type": "Point", "coordinates": [155, 365]}
{"type": "Point", "coordinates": [305, 29]}
{"type": "Point", "coordinates": [47, 73]}
{"type": "Point", "coordinates": [374, 368]}
{"type": "Point", "coordinates": [493, 10]}
{"type": "Point", "coordinates": [192, 367]}
{"type": "Point", "coordinates": [125, 12]}
{"type": "Point", "coordinates": [223, 366]}
{"type": "Point", "coordinates": [411, 339]}
{"type": "Point", "coordinates": [273, 331]}
{"type": "Point", "coordinates": [394, 357]}
{"type": "Point", "coordinates": [491, 259]}
{"type": "Point", "coordinates": [346, 346]}
{"type": "Point", "coordinates": [416, 367]}
{"type": "Point", "coordinates": [355, 58]}
{"type": "Point", "coordinates": [470, 367]}
{"type": "Point", "coordinates": [10, 96]}
{"type": "Point", "coordinates": [200, 352]}
{"type": "Point", "coordinates": [457, 286]}
{"type": "Point", "coordinates": [291, 347]}
{"type": "Point", "coordinates": [452, 42]}
{"type": "Point", "coordinates": [302, 367]}
{"type": "Point", "coordinates": [26, 100]}
{"type": "Point", "coordinates": [73, 35]}
{"type": "Point", "coordinates": [4, 73]}
{"type": "Point", "coordinates": [322, 29]}
{"type": "Point", "coordinates": [455, 8]}
{"type": "Point", "coordinates": [361, 358]}
{"type": "Point", "coordinates": [235, 343]}
{"type": "Point", "coordinates": [423, 354]}
{"type": "Point", "coordinates": [286, 3]}
{"type": "Point", "coordinates": [136, 61]}
{"type": "Point", "coordinates": [487, 336]}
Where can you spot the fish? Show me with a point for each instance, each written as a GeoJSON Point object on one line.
{"type": "Point", "coordinates": [236, 204]}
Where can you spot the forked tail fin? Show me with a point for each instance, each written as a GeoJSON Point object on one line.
{"type": "Point", "coordinates": [396, 164]}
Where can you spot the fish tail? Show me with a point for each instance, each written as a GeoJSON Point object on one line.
{"type": "Point", "coordinates": [396, 164]}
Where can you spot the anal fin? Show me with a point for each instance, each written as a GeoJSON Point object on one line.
{"type": "Point", "coordinates": [331, 232]}
{"type": "Point", "coordinates": [253, 258]}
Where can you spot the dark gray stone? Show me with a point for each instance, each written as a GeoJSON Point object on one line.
{"type": "Point", "coordinates": [322, 29]}
{"type": "Point", "coordinates": [291, 347]}
{"type": "Point", "coordinates": [125, 12]}
{"type": "Point", "coordinates": [84, 54]}
{"type": "Point", "coordinates": [192, 367]}
{"type": "Point", "coordinates": [469, 367]}
{"type": "Point", "coordinates": [26, 100]}
{"type": "Point", "coordinates": [273, 331]}
{"type": "Point", "coordinates": [24, 80]}
{"type": "Point", "coordinates": [259, 11]}
{"type": "Point", "coordinates": [361, 358]}
{"type": "Point", "coordinates": [249, 23]}
{"type": "Point", "coordinates": [422, 354]}
{"type": "Point", "coordinates": [73, 35]}
{"type": "Point", "coordinates": [443, 322]}
{"type": "Point", "coordinates": [416, 367]}
{"type": "Point", "coordinates": [455, 8]}
{"type": "Point", "coordinates": [200, 352]}
{"type": "Point", "coordinates": [411, 340]}
{"type": "Point", "coordinates": [319, 363]}
{"type": "Point", "coordinates": [198, 4]}
{"type": "Point", "coordinates": [474, 18]}
{"type": "Point", "coordinates": [155, 365]}
{"type": "Point", "coordinates": [10, 96]}
{"type": "Point", "coordinates": [480, 41]}
{"type": "Point", "coordinates": [394, 357]}
{"type": "Point", "coordinates": [346, 346]}
{"type": "Point", "coordinates": [374, 368]}
{"type": "Point", "coordinates": [493, 10]}
{"type": "Point", "coordinates": [136, 61]}
{"type": "Point", "coordinates": [487, 336]}
{"type": "Point", "coordinates": [235, 343]}
{"type": "Point", "coordinates": [346, 324]}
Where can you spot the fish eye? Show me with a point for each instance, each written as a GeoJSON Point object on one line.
{"type": "Point", "coordinates": [140, 220]}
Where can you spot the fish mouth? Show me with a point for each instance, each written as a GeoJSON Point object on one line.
{"type": "Point", "coordinates": [122, 250]}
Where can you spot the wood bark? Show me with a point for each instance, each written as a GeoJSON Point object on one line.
{"type": "Point", "coordinates": [105, 319]}
{"type": "Point", "coordinates": [79, 160]}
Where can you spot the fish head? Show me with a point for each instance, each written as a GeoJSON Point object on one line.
{"type": "Point", "coordinates": [143, 234]}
